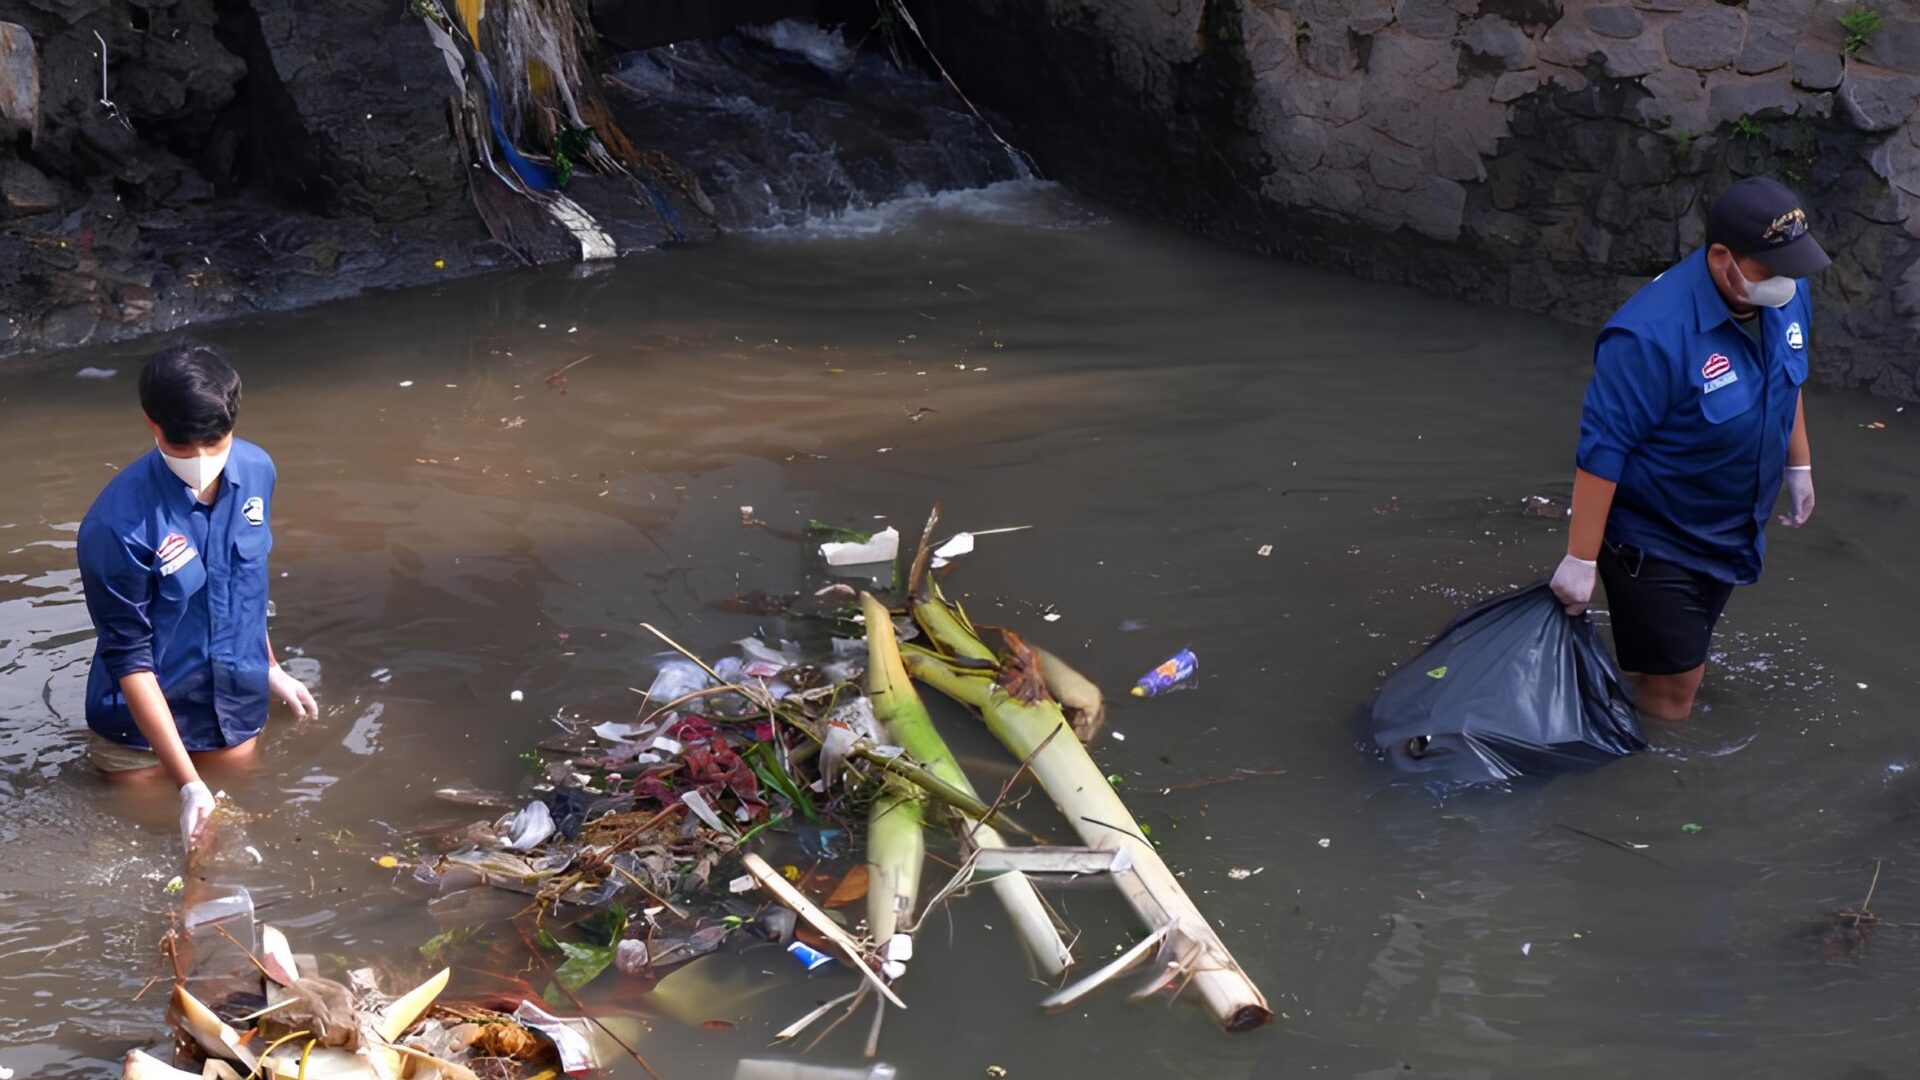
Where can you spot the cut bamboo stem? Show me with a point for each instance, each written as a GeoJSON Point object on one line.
{"type": "Point", "coordinates": [899, 706]}
{"type": "Point", "coordinates": [770, 880]}
{"type": "Point", "coordinates": [1076, 784]}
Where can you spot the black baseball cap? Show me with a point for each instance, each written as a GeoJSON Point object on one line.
{"type": "Point", "coordinates": [1760, 217]}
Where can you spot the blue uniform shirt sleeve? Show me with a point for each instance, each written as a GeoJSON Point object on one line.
{"type": "Point", "coordinates": [118, 585]}
{"type": "Point", "coordinates": [1631, 390]}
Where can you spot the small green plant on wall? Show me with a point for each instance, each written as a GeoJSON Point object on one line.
{"type": "Point", "coordinates": [1860, 24]}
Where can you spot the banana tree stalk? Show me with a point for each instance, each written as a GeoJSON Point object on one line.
{"type": "Point", "coordinates": [1032, 727]}
{"type": "Point", "coordinates": [897, 705]}
{"type": "Point", "coordinates": [896, 856]}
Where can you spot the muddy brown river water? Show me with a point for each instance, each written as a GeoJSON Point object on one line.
{"type": "Point", "coordinates": [450, 529]}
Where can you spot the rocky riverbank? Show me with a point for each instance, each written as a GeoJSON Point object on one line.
{"type": "Point", "coordinates": [169, 162]}
{"type": "Point", "coordinates": [1549, 155]}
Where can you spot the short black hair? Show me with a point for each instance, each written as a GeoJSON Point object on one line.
{"type": "Point", "coordinates": [192, 393]}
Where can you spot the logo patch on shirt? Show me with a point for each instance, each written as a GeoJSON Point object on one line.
{"type": "Point", "coordinates": [174, 552]}
{"type": "Point", "coordinates": [254, 511]}
{"type": "Point", "coordinates": [1795, 339]}
{"type": "Point", "coordinates": [1716, 366]}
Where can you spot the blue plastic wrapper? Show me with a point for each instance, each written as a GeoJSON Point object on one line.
{"type": "Point", "coordinates": [1176, 672]}
{"type": "Point", "coordinates": [813, 958]}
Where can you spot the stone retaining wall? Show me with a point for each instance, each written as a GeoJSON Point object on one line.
{"type": "Point", "coordinates": [1546, 154]}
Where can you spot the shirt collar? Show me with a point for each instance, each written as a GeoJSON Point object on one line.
{"type": "Point", "coordinates": [1709, 308]}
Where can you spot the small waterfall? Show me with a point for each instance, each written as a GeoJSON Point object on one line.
{"type": "Point", "coordinates": [793, 123]}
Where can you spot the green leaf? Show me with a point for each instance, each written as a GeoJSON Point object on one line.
{"type": "Point", "coordinates": [547, 940]}
{"type": "Point", "coordinates": [767, 767]}
{"type": "Point", "coordinates": [1690, 827]}
{"type": "Point", "coordinates": [1438, 673]}
{"type": "Point", "coordinates": [437, 945]}
{"type": "Point", "coordinates": [605, 926]}
{"type": "Point", "coordinates": [824, 531]}
{"type": "Point", "coordinates": [584, 963]}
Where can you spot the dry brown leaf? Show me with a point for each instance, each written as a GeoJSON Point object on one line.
{"type": "Point", "coordinates": [851, 889]}
{"type": "Point", "coordinates": [1020, 673]}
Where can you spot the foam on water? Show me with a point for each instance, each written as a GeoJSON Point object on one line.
{"type": "Point", "coordinates": [1036, 204]}
{"type": "Point", "coordinates": [821, 46]}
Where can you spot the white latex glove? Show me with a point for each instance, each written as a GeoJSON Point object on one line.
{"type": "Point", "coordinates": [293, 692]}
{"type": "Point", "coordinates": [1799, 496]}
{"type": "Point", "coordinates": [1573, 583]}
{"type": "Point", "coordinates": [196, 806]}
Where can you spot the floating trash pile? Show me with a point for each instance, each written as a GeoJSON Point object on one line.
{"type": "Point", "coordinates": [727, 811]}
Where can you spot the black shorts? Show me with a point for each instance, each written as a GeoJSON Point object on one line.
{"type": "Point", "coordinates": [1663, 613]}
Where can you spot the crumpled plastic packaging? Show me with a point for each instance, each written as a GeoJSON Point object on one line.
{"type": "Point", "coordinates": [677, 679]}
{"type": "Point", "coordinates": [528, 828]}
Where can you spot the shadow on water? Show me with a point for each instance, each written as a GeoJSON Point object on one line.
{"type": "Point", "coordinates": [451, 528]}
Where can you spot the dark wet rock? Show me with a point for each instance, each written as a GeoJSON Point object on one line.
{"type": "Point", "coordinates": [1872, 101]}
{"type": "Point", "coordinates": [26, 190]}
{"type": "Point", "coordinates": [1732, 98]}
{"type": "Point", "coordinates": [1615, 20]}
{"type": "Point", "coordinates": [1498, 43]}
{"type": "Point", "coordinates": [1427, 18]}
{"type": "Point", "coordinates": [1707, 36]}
{"type": "Point", "coordinates": [1895, 46]}
{"type": "Point", "coordinates": [360, 120]}
{"type": "Point", "coordinates": [1770, 46]}
{"type": "Point", "coordinates": [1572, 44]}
{"type": "Point", "coordinates": [1817, 66]}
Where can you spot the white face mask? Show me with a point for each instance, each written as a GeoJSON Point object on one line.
{"type": "Point", "coordinates": [198, 471]}
{"type": "Point", "coordinates": [1775, 292]}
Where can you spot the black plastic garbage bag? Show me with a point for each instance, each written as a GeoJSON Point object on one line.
{"type": "Point", "coordinates": [1510, 688]}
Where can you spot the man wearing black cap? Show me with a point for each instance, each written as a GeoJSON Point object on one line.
{"type": "Point", "coordinates": [1691, 425]}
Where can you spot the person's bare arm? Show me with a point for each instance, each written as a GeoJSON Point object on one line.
{"type": "Point", "coordinates": [1587, 527]}
{"type": "Point", "coordinates": [154, 718]}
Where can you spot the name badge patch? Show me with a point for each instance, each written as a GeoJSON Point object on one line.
{"type": "Point", "coordinates": [254, 510]}
{"type": "Point", "coordinates": [1715, 384]}
{"type": "Point", "coordinates": [1795, 339]}
{"type": "Point", "coordinates": [174, 552]}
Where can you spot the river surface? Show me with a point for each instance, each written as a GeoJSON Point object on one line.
{"type": "Point", "coordinates": [451, 529]}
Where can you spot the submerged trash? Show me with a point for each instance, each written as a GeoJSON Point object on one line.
{"type": "Point", "coordinates": [809, 956]}
{"type": "Point", "coordinates": [1176, 672]}
{"type": "Point", "coordinates": [1513, 687]}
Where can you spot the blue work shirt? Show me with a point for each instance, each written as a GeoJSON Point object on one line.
{"type": "Point", "coordinates": [1691, 419]}
{"type": "Point", "coordinates": [180, 589]}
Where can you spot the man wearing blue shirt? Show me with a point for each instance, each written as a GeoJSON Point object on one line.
{"type": "Point", "coordinates": [173, 559]}
{"type": "Point", "coordinates": [1691, 424]}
